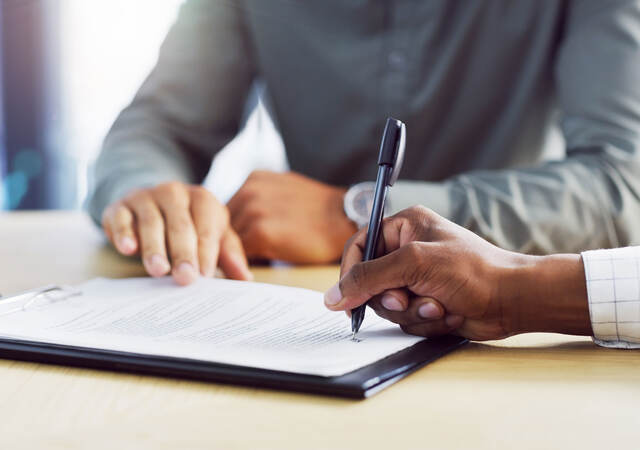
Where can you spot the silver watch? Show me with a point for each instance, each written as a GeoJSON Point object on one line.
{"type": "Point", "coordinates": [358, 202]}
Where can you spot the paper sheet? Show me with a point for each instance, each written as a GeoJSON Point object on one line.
{"type": "Point", "coordinates": [247, 324]}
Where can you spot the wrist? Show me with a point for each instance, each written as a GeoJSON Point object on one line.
{"type": "Point", "coordinates": [547, 294]}
{"type": "Point", "coordinates": [343, 227]}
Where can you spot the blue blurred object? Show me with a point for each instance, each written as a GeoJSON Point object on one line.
{"type": "Point", "coordinates": [28, 162]}
{"type": "Point", "coordinates": [28, 93]}
{"type": "Point", "coordinates": [3, 152]}
{"type": "Point", "coordinates": [15, 187]}
{"type": "Point", "coordinates": [25, 167]}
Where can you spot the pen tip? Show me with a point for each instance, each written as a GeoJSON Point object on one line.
{"type": "Point", "coordinates": [353, 335]}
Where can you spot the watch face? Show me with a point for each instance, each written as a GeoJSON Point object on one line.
{"type": "Point", "coordinates": [363, 202]}
{"type": "Point", "coordinates": [358, 202]}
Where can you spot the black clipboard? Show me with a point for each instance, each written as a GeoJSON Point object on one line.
{"type": "Point", "coordinates": [360, 383]}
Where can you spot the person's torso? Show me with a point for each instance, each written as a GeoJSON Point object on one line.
{"type": "Point", "coordinates": [473, 81]}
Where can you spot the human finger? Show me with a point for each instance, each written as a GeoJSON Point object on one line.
{"type": "Point", "coordinates": [396, 231]}
{"type": "Point", "coordinates": [150, 230]}
{"type": "Point", "coordinates": [119, 220]}
{"type": "Point", "coordinates": [211, 220]}
{"type": "Point", "coordinates": [173, 200]}
{"type": "Point", "coordinates": [353, 251]}
{"type": "Point", "coordinates": [233, 260]}
{"type": "Point", "coordinates": [394, 300]}
{"type": "Point", "coordinates": [398, 269]}
{"type": "Point", "coordinates": [420, 309]}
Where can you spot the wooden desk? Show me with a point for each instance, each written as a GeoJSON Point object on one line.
{"type": "Point", "coordinates": [534, 391]}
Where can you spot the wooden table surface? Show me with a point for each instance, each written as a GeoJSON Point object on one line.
{"type": "Point", "coordinates": [531, 391]}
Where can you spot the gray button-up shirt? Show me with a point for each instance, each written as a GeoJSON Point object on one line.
{"type": "Point", "coordinates": [479, 84]}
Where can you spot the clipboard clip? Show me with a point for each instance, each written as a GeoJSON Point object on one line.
{"type": "Point", "coordinates": [29, 299]}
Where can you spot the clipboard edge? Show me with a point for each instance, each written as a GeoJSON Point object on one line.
{"type": "Point", "coordinates": [359, 384]}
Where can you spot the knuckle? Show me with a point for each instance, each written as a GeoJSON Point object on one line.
{"type": "Point", "coordinates": [413, 251]}
{"type": "Point", "coordinates": [246, 194]}
{"type": "Point", "coordinates": [173, 190]}
{"type": "Point", "coordinates": [357, 237]}
{"type": "Point", "coordinates": [419, 210]}
{"type": "Point", "coordinates": [136, 195]}
{"type": "Point", "coordinates": [148, 221]}
{"type": "Point", "coordinates": [179, 224]}
{"type": "Point", "coordinates": [419, 214]}
{"type": "Point", "coordinates": [207, 234]}
{"type": "Point", "coordinates": [173, 186]}
{"type": "Point", "coordinates": [201, 194]}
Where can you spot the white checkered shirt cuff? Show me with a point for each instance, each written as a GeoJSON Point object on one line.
{"type": "Point", "coordinates": [613, 288]}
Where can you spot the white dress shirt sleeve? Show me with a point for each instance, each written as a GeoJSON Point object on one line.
{"type": "Point", "coordinates": [613, 289]}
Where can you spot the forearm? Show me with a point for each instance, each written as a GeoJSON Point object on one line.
{"type": "Point", "coordinates": [180, 118]}
{"type": "Point", "coordinates": [542, 210]}
{"type": "Point", "coordinates": [547, 294]}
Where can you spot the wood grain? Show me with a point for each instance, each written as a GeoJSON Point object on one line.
{"type": "Point", "coordinates": [531, 391]}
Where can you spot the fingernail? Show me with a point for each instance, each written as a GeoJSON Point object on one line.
{"type": "Point", "coordinates": [391, 303]}
{"type": "Point", "coordinates": [126, 244]}
{"type": "Point", "coordinates": [185, 267]}
{"type": "Point", "coordinates": [428, 311]}
{"type": "Point", "coordinates": [333, 295]}
{"type": "Point", "coordinates": [208, 272]}
{"type": "Point", "coordinates": [158, 264]}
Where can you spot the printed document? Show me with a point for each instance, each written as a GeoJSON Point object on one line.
{"type": "Point", "coordinates": [230, 322]}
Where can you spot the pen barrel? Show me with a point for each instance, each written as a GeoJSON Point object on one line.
{"type": "Point", "coordinates": [373, 234]}
{"type": "Point", "coordinates": [377, 213]}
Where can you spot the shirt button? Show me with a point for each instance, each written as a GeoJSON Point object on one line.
{"type": "Point", "coordinates": [397, 60]}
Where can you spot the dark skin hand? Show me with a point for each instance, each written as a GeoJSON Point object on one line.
{"type": "Point", "coordinates": [290, 217]}
{"type": "Point", "coordinates": [436, 277]}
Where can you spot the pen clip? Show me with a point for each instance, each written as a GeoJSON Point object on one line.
{"type": "Point", "coordinates": [392, 148]}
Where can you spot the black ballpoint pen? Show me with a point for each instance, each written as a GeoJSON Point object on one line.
{"type": "Point", "coordinates": [389, 165]}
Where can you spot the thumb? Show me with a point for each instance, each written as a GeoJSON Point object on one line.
{"type": "Point", "coordinates": [367, 279]}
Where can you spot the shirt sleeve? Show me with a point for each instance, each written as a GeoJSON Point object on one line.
{"type": "Point", "coordinates": [187, 109]}
{"type": "Point", "coordinates": [589, 200]}
{"type": "Point", "coordinates": [613, 288]}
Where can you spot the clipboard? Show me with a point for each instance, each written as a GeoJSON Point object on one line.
{"type": "Point", "coordinates": [361, 383]}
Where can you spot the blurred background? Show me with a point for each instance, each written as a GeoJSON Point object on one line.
{"type": "Point", "coordinates": [67, 67]}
